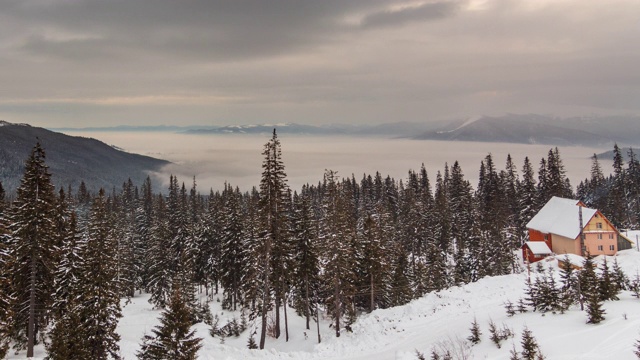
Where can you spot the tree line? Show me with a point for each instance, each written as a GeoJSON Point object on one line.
{"type": "Point", "coordinates": [342, 246]}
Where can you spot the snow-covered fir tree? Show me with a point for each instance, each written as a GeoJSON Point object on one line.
{"type": "Point", "coordinates": [233, 252]}
{"type": "Point", "coordinates": [33, 247]}
{"type": "Point", "coordinates": [173, 339]}
{"type": "Point", "coordinates": [5, 289]}
{"type": "Point", "coordinates": [336, 232]}
{"type": "Point", "coordinates": [306, 276]}
{"type": "Point", "coordinates": [99, 300]}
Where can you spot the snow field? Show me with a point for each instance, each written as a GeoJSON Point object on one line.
{"type": "Point", "coordinates": [433, 320]}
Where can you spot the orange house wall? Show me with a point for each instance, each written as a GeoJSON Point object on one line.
{"type": "Point", "coordinates": [535, 235]}
{"type": "Point", "coordinates": [591, 232]}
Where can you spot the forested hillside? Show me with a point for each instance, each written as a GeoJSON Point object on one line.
{"type": "Point", "coordinates": [72, 159]}
{"type": "Point", "coordinates": [343, 246]}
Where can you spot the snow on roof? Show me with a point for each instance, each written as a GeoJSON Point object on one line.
{"type": "Point", "coordinates": [560, 216]}
{"type": "Point", "coordinates": [538, 247]}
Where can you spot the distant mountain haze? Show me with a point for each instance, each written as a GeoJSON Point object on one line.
{"type": "Point", "coordinates": [71, 159]}
{"type": "Point", "coordinates": [510, 128]}
{"type": "Point", "coordinates": [541, 129]}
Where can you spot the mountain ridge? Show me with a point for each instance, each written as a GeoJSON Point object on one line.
{"type": "Point", "coordinates": [71, 159]}
{"type": "Point", "coordinates": [541, 129]}
{"type": "Point", "coordinates": [508, 128]}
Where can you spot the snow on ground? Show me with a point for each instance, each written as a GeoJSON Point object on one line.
{"type": "Point", "coordinates": [435, 319]}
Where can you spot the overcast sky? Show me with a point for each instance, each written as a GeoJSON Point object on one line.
{"type": "Point", "coordinates": [141, 62]}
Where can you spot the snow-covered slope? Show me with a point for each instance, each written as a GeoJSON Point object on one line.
{"type": "Point", "coordinates": [434, 320]}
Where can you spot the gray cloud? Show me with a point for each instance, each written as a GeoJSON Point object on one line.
{"type": "Point", "coordinates": [165, 61]}
{"type": "Point", "coordinates": [424, 12]}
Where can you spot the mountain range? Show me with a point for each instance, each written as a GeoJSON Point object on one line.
{"type": "Point", "coordinates": [509, 128]}
{"type": "Point", "coordinates": [71, 159]}
{"type": "Point", "coordinates": [541, 129]}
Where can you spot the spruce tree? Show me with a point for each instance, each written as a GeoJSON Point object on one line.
{"type": "Point", "coordinates": [475, 332]}
{"type": "Point", "coordinates": [595, 312]}
{"type": "Point", "coordinates": [336, 231]}
{"type": "Point", "coordinates": [33, 248]}
{"type": "Point", "coordinates": [632, 186]}
{"type": "Point", "coordinates": [373, 257]}
{"type": "Point", "coordinates": [233, 257]}
{"type": "Point", "coordinates": [497, 254]}
{"type": "Point", "coordinates": [607, 286]}
{"type": "Point", "coordinates": [439, 242]}
{"type": "Point", "coordinates": [181, 243]}
{"type": "Point", "coordinates": [588, 280]}
{"type": "Point", "coordinates": [527, 194]}
{"type": "Point", "coordinates": [462, 217]}
{"type": "Point", "coordinates": [68, 341]}
{"type": "Point", "coordinates": [98, 300]}
{"type": "Point", "coordinates": [530, 348]}
{"type": "Point", "coordinates": [597, 190]}
{"type": "Point", "coordinates": [617, 204]}
{"type": "Point", "coordinates": [306, 255]}
{"type": "Point", "coordinates": [173, 339]}
{"type": "Point", "coordinates": [129, 254]}
{"type": "Point", "coordinates": [5, 294]}
{"type": "Point", "coordinates": [274, 198]}
{"type": "Point", "coordinates": [159, 274]}
{"type": "Point", "coordinates": [568, 291]}
{"type": "Point", "coordinates": [144, 222]}
{"type": "Point", "coordinates": [619, 277]}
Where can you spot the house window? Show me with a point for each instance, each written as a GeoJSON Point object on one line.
{"type": "Point", "coordinates": [599, 236]}
{"type": "Point", "coordinates": [610, 236]}
{"type": "Point", "coordinates": [546, 236]}
{"type": "Point", "coordinates": [600, 247]}
{"type": "Point", "coordinates": [599, 225]}
{"type": "Point", "coordinates": [612, 247]}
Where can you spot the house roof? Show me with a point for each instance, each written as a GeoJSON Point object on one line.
{"type": "Point", "coordinates": [560, 216]}
{"type": "Point", "coordinates": [538, 247]}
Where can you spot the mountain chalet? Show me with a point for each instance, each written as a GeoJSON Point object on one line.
{"type": "Point", "coordinates": [557, 227]}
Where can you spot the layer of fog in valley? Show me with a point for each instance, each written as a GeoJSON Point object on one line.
{"type": "Point", "coordinates": [237, 159]}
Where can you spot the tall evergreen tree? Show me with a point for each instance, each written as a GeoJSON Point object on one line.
{"type": "Point", "coordinates": [68, 341]}
{"type": "Point", "coordinates": [274, 230]}
{"type": "Point", "coordinates": [557, 183]}
{"type": "Point", "coordinates": [99, 301]}
{"type": "Point", "coordinates": [33, 249]}
{"type": "Point", "coordinates": [632, 186]}
{"type": "Point", "coordinates": [233, 256]}
{"type": "Point", "coordinates": [617, 204]}
{"type": "Point", "coordinates": [306, 254]}
{"type": "Point", "coordinates": [144, 223]}
{"type": "Point", "coordinates": [607, 286]}
{"type": "Point", "coordinates": [462, 209]}
{"type": "Point", "coordinates": [5, 284]}
{"type": "Point", "coordinates": [526, 199]}
{"type": "Point", "coordinates": [439, 244]}
{"type": "Point", "coordinates": [336, 233]}
{"type": "Point", "coordinates": [597, 190]}
{"type": "Point", "coordinates": [496, 258]}
{"type": "Point", "coordinates": [159, 274]}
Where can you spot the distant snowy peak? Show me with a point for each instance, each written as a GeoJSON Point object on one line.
{"type": "Point", "coordinates": [469, 121]}
{"type": "Point", "coordinates": [540, 129]}
{"type": "Point", "coordinates": [283, 128]}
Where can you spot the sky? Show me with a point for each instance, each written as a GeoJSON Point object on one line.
{"type": "Point", "coordinates": [76, 63]}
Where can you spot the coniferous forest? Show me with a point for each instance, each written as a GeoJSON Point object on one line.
{"type": "Point", "coordinates": [343, 246]}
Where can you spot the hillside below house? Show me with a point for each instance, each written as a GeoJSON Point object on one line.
{"type": "Point", "coordinates": [561, 223]}
{"type": "Point", "coordinates": [71, 159]}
